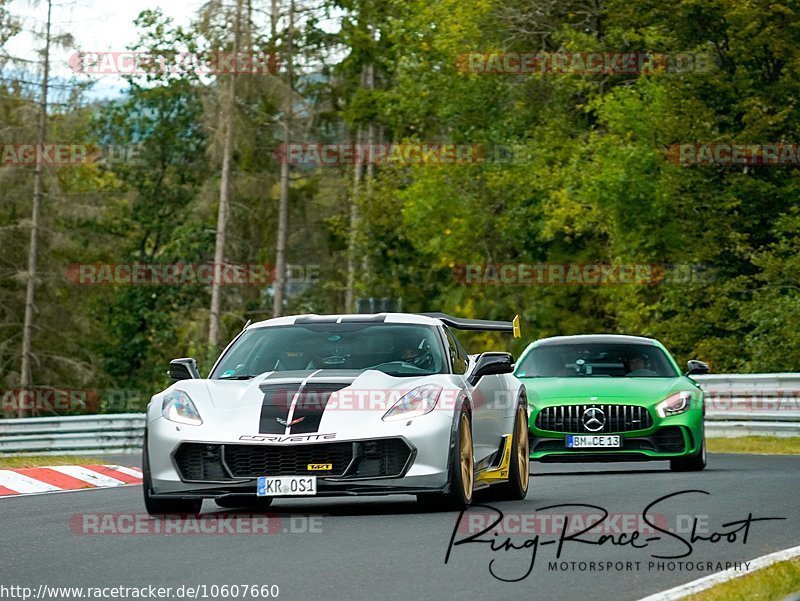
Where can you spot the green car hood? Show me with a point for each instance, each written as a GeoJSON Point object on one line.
{"type": "Point", "coordinates": [634, 390]}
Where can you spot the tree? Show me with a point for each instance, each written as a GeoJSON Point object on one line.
{"type": "Point", "coordinates": [228, 110]}
{"type": "Point", "coordinates": [33, 249]}
{"type": "Point", "coordinates": [283, 202]}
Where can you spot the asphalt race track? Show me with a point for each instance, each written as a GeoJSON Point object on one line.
{"type": "Point", "coordinates": [385, 548]}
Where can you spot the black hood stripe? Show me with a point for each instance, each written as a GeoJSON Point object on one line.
{"type": "Point", "coordinates": [275, 406]}
{"type": "Point", "coordinates": [311, 404]}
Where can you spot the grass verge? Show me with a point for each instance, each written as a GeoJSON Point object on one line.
{"type": "Point", "coordinates": [773, 583]}
{"type": "Point", "coordinates": [771, 445]}
{"type": "Point", "coordinates": [40, 460]}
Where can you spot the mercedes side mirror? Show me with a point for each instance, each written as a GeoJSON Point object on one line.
{"type": "Point", "coordinates": [697, 368]}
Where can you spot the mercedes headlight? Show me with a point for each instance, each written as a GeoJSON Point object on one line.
{"type": "Point", "coordinates": [674, 404]}
{"type": "Point", "coordinates": [419, 401]}
{"type": "Point", "coordinates": [178, 407]}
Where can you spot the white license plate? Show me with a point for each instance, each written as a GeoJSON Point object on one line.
{"type": "Point", "coordinates": [603, 441]}
{"type": "Point", "coordinates": [286, 486]}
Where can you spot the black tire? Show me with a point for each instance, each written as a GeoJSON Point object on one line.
{"type": "Point", "coordinates": [516, 488]}
{"type": "Point", "coordinates": [237, 501]}
{"type": "Point", "coordinates": [460, 491]}
{"type": "Point", "coordinates": [693, 463]}
{"type": "Point", "coordinates": [160, 507]}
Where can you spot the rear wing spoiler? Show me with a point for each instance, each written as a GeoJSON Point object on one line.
{"type": "Point", "coordinates": [478, 325]}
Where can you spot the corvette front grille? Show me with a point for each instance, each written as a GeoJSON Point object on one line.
{"type": "Point", "coordinates": [618, 418]}
{"type": "Point", "coordinates": [252, 461]}
{"type": "Point", "coordinates": [382, 458]}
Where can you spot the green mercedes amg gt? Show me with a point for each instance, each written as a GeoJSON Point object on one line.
{"type": "Point", "coordinates": [612, 398]}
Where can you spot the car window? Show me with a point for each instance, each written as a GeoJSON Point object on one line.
{"type": "Point", "coordinates": [395, 349]}
{"type": "Point", "coordinates": [458, 356]}
{"type": "Point", "coordinates": [596, 359]}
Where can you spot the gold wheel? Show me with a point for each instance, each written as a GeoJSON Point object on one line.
{"type": "Point", "coordinates": [465, 455]}
{"type": "Point", "coordinates": [523, 461]}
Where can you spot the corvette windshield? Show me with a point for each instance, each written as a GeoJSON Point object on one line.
{"type": "Point", "coordinates": [596, 359]}
{"type": "Point", "coordinates": [396, 349]}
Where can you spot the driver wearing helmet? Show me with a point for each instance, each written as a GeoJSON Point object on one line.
{"type": "Point", "coordinates": [416, 352]}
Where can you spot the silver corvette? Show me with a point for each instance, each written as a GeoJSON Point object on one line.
{"type": "Point", "coordinates": [340, 405]}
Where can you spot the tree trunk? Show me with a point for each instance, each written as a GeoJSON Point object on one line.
{"type": "Point", "coordinates": [279, 284]}
{"type": "Point", "coordinates": [228, 112]}
{"type": "Point", "coordinates": [367, 81]}
{"type": "Point", "coordinates": [371, 140]}
{"type": "Point", "coordinates": [273, 21]}
{"type": "Point", "coordinates": [25, 377]}
{"type": "Point", "coordinates": [352, 243]}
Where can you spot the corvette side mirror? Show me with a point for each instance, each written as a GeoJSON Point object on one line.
{"type": "Point", "coordinates": [697, 368]}
{"type": "Point", "coordinates": [183, 369]}
{"type": "Point", "coordinates": [488, 364]}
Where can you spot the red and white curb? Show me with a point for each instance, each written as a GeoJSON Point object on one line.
{"type": "Point", "coordinates": [57, 478]}
{"type": "Point", "coordinates": [701, 584]}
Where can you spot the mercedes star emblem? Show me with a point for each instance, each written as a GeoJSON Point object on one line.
{"type": "Point", "coordinates": [593, 419]}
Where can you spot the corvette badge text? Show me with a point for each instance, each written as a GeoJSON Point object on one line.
{"type": "Point", "coordinates": [287, 438]}
{"type": "Point", "coordinates": [654, 546]}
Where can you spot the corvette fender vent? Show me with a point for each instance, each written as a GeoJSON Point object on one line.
{"type": "Point", "coordinates": [381, 458]}
{"type": "Point", "coordinates": [200, 462]}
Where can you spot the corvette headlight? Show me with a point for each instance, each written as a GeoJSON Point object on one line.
{"type": "Point", "coordinates": [674, 404]}
{"type": "Point", "coordinates": [178, 407]}
{"type": "Point", "coordinates": [419, 401]}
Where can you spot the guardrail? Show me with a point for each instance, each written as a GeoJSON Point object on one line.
{"type": "Point", "coordinates": [752, 404]}
{"type": "Point", "coordinates": [72, 435]}
{"type": "Point", "coordinates": [736, 405]}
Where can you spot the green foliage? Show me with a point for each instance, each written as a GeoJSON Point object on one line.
{"type": "Point", "coordinates": [591, 181]}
